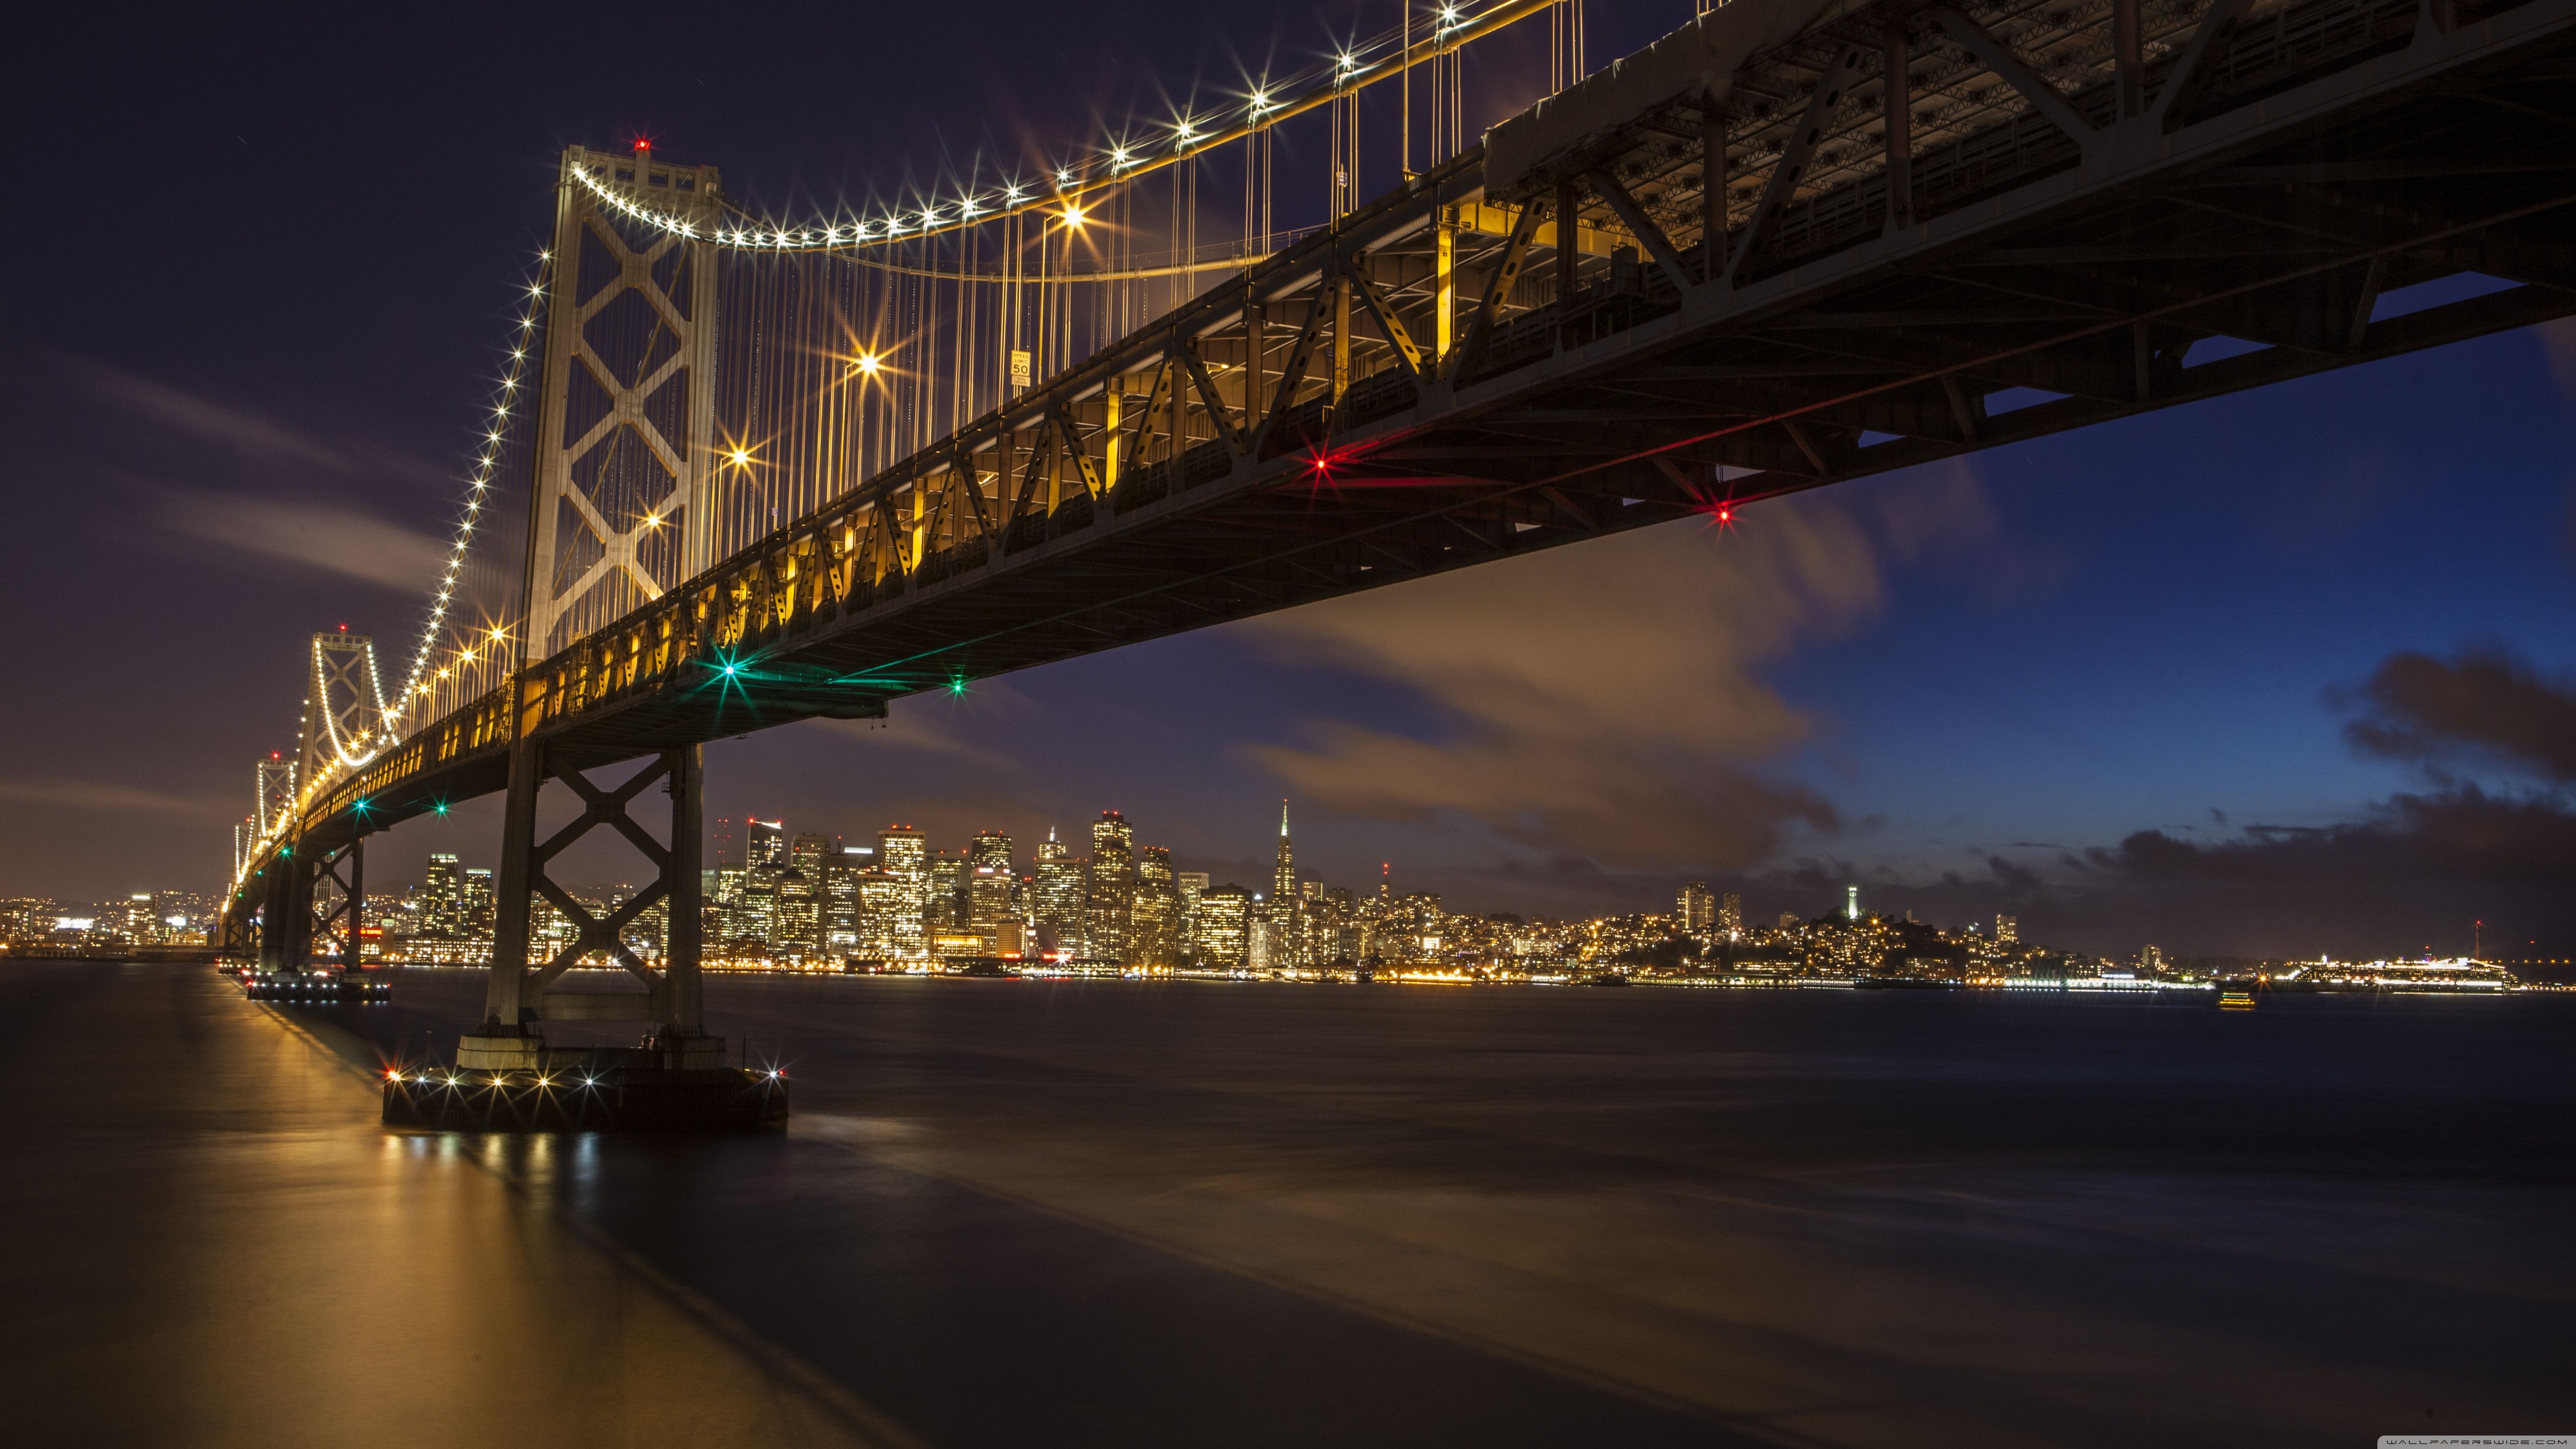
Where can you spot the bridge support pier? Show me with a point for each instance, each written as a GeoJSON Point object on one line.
{"type": "Point", "coordinates": [516, 1001]}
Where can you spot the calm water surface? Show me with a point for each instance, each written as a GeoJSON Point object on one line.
{"type": "Point", "coordinates": [1022, 1213]}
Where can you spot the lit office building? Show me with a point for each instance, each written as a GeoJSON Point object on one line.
{"type": "Point", "coordinates": [889, 924]}
{"type": "Point", "coordinates": [1192, 884]}
{"type": "Point", "coordinates": [903, 855]}
{"type": "Point", "coordinates": [1224, 928]}
{"type": "Point", "coordinates": [988, 881]}
{"type": "Point", "coordinates": [1113, 889]}
{"type": "Point", "coordinates": [1062, 899]}
{"type": "Point", "coordinates": [1156, 916]}
{"type": "Point", "coordinates": [945, 912]}
{"type": "Point", "coordinates": [1696, 908]}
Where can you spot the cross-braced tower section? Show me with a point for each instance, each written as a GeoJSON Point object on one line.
{"type": "Point", "coordinates": [344, 713]}
{"type": "Point", "coordinates": [625, 449]}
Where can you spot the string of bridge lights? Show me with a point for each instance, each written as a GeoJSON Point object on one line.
{"type": "Point", "coordinates": [1116, 162]}
{"type": "Point", "coordinates": [342, 749]}
{"type": "Point", "coordinates": [523, 345]}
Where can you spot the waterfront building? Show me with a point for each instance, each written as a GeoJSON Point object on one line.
{"type": "Point", "coordinates": [754, 918]}
{"type": "Point", "coordinates": [889, 922]}
{"type": "Point", "coordinates": [479, 903]}
{"type": "Point", "coordinates": [1156, 916]}
{"type": "Point", "coordinates": [989, 881]}
{"type": "Point", "coordinates": [1224, 934]}
{"type": "Point", "coordinates": [841, 873]}
{"type": "Point", "coordinates": [1697, 909]}
{"type": "Point", "coordinates": [1284, 932]}
{"type": "Point", "coordinates": [1192, 884]}
{"type": "Point", "coordinates": [442, 897]}
{"type": "Point", "coordinates": [947, 893]}
{"type": "Point", "coordinates": [800, 915]}
{"type": "Point", "coordinates": [905, 857]}
{"type": "Point", "coordinates": [1061, 896]}
{"type": "Point", "coordinates": [1113, 889]}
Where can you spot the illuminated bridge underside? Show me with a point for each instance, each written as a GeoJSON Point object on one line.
{"type": "Point", "coordinates": [2072, 219]}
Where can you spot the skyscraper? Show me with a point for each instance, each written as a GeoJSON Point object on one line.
{"type": "Point", "coordinates": [1285, 937]}
{"type": "Point", "coordinates": [442, 898]}
{"type": "Point", "coordinates": [1063, 896]}
{"type": "Point", "coordinates": [1224, 935]}
{"type": "Point", "coordinates": [1697, 909]}
{"type": "Point", "coordinates": [947, 893]}
{"type": "Point", "coordinates": [886, 904]}
{"type": "Point", "coordinates": [800, 911]}
{"type": "Point", "coordinates": [1157, 914]}
{"type": "Point", "coordinates": [765, 843]}
{"type": "Point", "coordinates": [905, 858]}
{"type": "Point", "coordinates": [2007, 930]}
{"type": "Point", "coordinates": [841, 871]}
{"type": "Point", "coordinates": [1113, 889]}
{"type": "Point", "coordinates": [477, 903]}
{"type": "Point", "coordinates": [1192, 884]}
{"type": "Point", "coordinates": [988, 882]}
{"type": "Point", "coordinates": [1730, 916]}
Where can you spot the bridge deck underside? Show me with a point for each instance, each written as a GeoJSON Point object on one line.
{"type": "Point", "coordinates": [1611, 392]}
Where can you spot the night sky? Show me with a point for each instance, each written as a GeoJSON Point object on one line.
{"type": "Point", "coordinates": [2286, 672]}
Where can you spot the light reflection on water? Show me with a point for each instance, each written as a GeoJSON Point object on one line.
{"type": "Point", "coordinates": [1140, 1215]}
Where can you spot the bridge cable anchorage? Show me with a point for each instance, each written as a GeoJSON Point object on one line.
{"type": "Point", "coordinates": [1390, 55]}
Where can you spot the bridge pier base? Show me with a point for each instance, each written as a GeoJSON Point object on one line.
{"type": "Point", "coordinates": [517, 1003]}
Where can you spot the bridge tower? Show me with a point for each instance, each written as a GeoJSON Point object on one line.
{"type": "Point", "coordinates": [312, 892]}
{"type": "Point", "coordinates": [344, 714]}
{"type": "Point", "coordinates": [622, 510]}
{"type": "Point", "coordinates": [625, 452]}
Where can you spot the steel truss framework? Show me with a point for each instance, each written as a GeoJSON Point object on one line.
{"type": "Point", "coordinates": [309, 897]}
{"type": "Point", "coordinates": [517, 994]}
{"type": "Point", "coordinates": [1830, 273]}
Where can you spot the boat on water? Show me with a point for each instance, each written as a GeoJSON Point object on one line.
{"type": "Point", "coordinates": [2236, 998]}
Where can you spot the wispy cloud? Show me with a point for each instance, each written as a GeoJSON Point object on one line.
{"type": "Point", "coordinates": [174, 410]}
{"type": "Point", "coordinates": [314, 535]}
{"type": "Point", "coordinates": [92, 795]}
{"type": "Point", "coordinates": [1600, 699]}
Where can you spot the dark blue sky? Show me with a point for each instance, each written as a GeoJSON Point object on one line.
{"type": "Point", "coordinates": [2105, 680]}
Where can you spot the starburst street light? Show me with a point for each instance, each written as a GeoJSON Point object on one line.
{"type": "Point", "coordinates": [1072, 215]}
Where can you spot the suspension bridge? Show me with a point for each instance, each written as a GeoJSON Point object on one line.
{"type": "Point", "coordinates": [776, 471]}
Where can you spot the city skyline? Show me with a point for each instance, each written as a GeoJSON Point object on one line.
{"type": "Point", "coordinates": [779, 896]}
